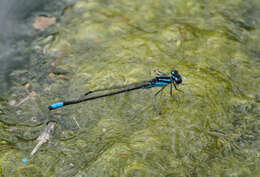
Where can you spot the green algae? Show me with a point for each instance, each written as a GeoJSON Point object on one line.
{"type": "Point", "coordinates": [212, 129]}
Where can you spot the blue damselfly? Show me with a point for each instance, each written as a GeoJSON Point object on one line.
{"type": "Point", "coordinates": [161, 80]}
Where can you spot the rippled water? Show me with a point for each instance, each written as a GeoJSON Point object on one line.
{"type": "Point", "coordinates": [212, 129]}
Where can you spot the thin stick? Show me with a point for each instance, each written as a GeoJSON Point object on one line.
{"type": "Point", "coordinates": [44, 137]}
{"type": "Point", "coordinates": [76, 121]}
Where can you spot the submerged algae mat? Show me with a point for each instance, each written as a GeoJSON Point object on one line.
{"type": "Point", "coordinates": [212, 129]}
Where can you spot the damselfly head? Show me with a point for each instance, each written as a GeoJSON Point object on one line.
{"type": "Point", "coordinates": [176, 77]}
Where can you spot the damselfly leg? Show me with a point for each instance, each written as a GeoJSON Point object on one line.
{"type": "Point", "coordinates": [159, 91]}
{"type": "Point", "coordinates": [177, 88]}
{"type": "Point", "coordinates": [171, 89]}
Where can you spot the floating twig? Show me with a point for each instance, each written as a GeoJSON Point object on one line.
{"type": "Point", "coordinates": [31, 95]}
{"type": "Point", "coordinates": [44, 137]}
{"type": "Point", "coordinates": [76, 121]}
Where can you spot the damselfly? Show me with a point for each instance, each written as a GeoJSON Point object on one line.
{"type": "Point", "coordinates": [161, 80]}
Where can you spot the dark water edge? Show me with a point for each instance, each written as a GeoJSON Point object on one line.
{"type": "Point", "coordinates": [17, 33]}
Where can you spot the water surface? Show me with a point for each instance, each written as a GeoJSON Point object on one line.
{"type": "Point", "coordinates": [212, 129]}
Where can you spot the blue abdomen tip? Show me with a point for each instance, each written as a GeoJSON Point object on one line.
{"type": "Point", "coordinates": [56, 105]}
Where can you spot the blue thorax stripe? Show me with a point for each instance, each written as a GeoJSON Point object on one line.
{"type": "Point", "coordinates": [166, 80]}
{"type": "Point", "coordinates": [160, 84]}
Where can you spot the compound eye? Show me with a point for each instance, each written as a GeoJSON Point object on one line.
{"type": "Point", "coordinates": [179, 80]}
{"type": "Point", "coordinates": [175, 73]}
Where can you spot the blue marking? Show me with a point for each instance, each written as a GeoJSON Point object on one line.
{"type": "Point", "coordinates": [160, 84]}
{"type": "Point", "coordinates": [173, 73]}
{"type": "Point", "coordinates": [25, 160]}
{"type": "Point", "coordinates": [175, 78]}
{"type": "Point", "coordinates": [57, 105]}
{"type": "Point", "coordinates": [166, 80]}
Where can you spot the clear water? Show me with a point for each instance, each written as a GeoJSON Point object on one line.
{"type": "Point", "coordinates": [16, 35]}
{"type": "Point", "coordinates": [212, 129]}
